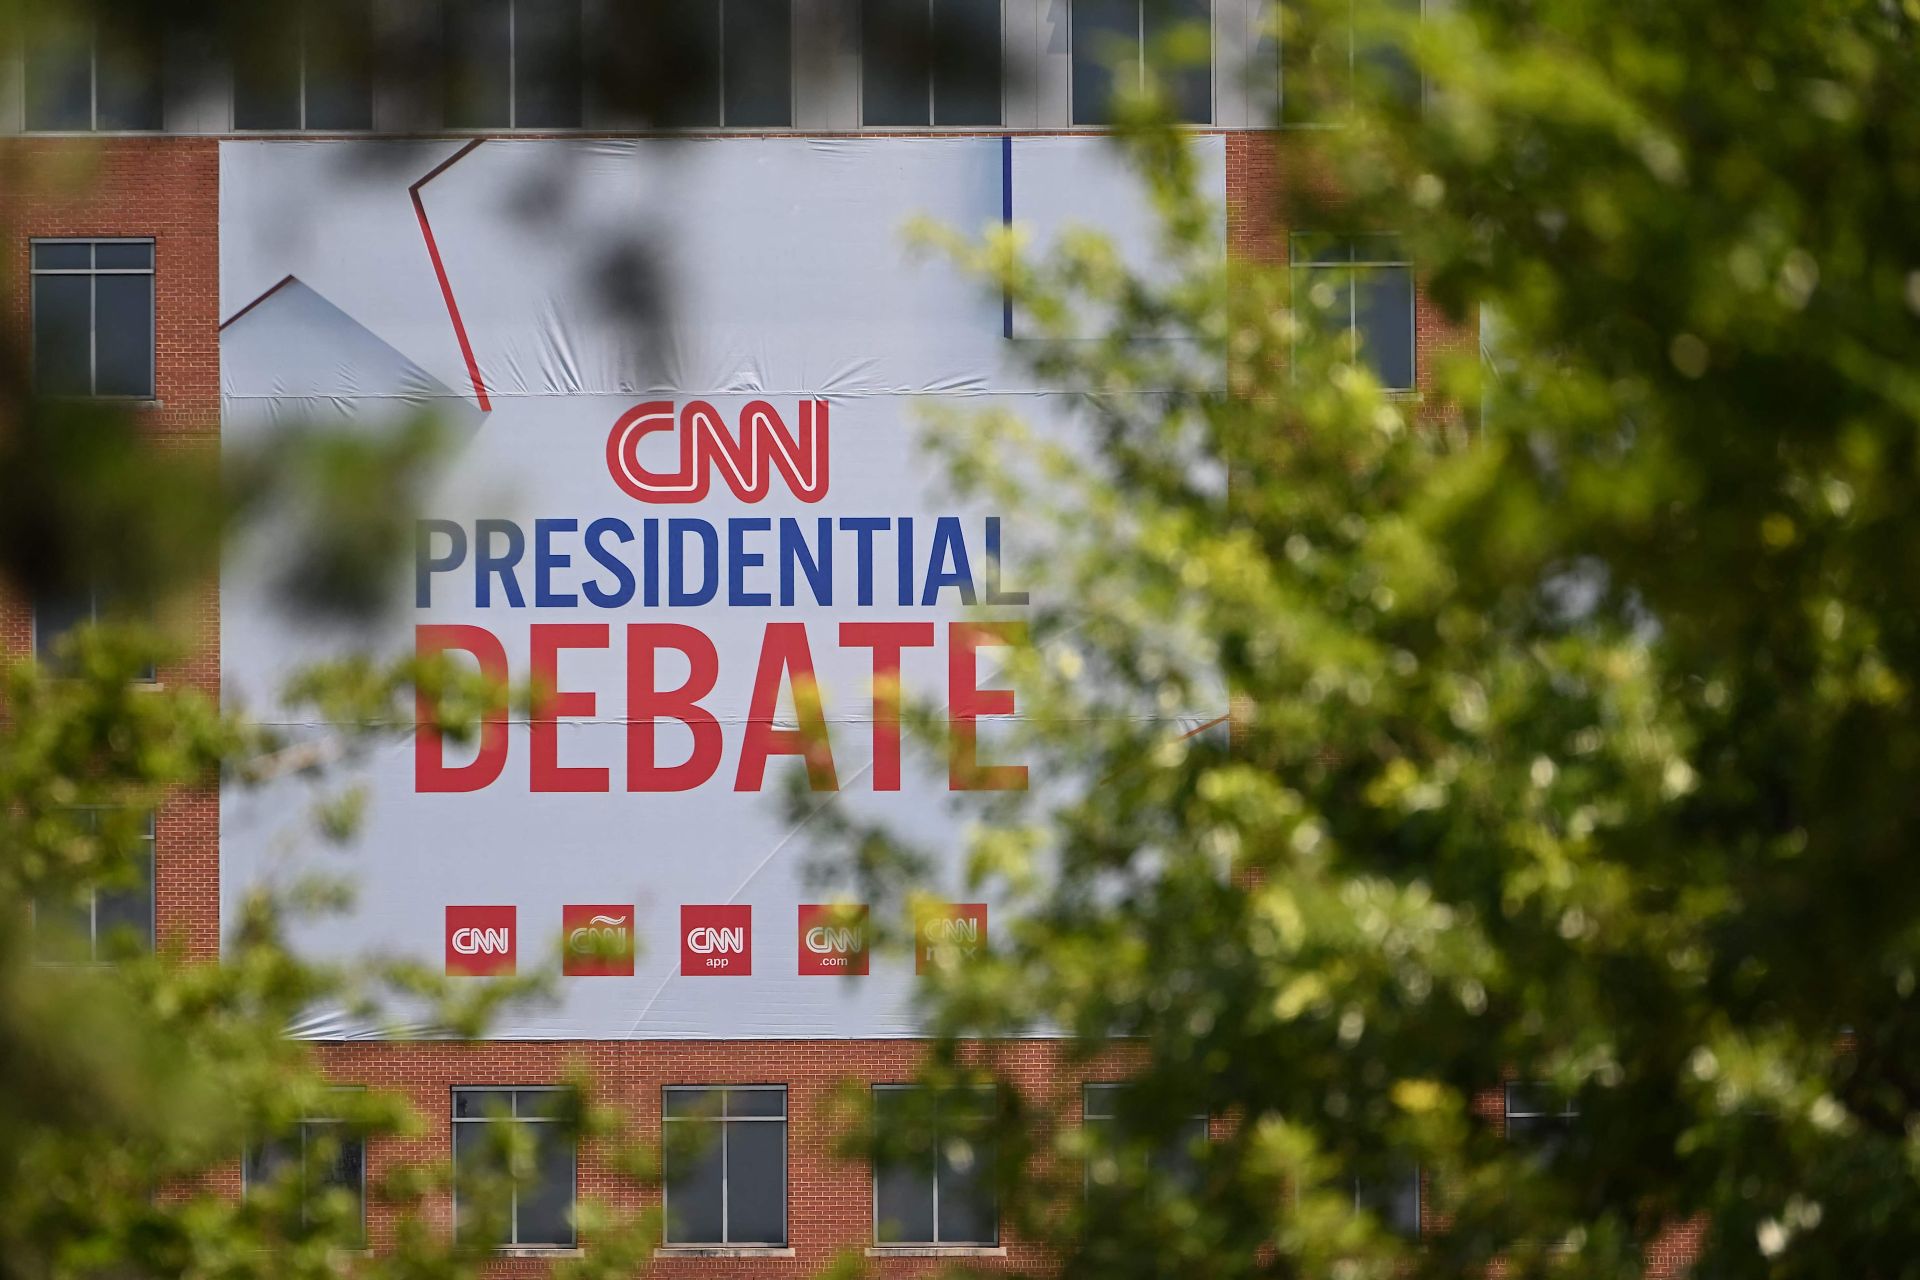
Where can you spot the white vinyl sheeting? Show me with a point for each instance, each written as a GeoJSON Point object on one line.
{"type": "Point", "coordinates": [781, 274]}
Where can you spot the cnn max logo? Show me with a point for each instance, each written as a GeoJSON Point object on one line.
{"type": "Point", "coordinates": [480, 941]}
{"type": "Point", "coordinates": [597, 941]}
{"type": "Point", "coordinates": [716, 941]}
{"type": "Point", "coordinates": [746, 456]}
{"type": "Point", "coordinates": [948, 935]}
{"type": "Point", "coordinates": [833, 939]}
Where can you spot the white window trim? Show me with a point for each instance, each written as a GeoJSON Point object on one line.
{"type": "Point", "coordinates": [723, 1120]}
{"type": "Point", "coordinates": [513, 1245]}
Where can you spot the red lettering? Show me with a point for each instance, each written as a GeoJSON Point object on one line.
{"type": "Point", "coordinates": [646, 704]}
{"type": "Point", "coordinates": [886, 639]}
{"type": "Point", "coordinates": [551, 701]}
{"type": "Point", "coordinates": [430, 769]}
{"type": "Point", "coordinates": [784, 652]}
{"type": "Point", "coordinates": [967, 702]}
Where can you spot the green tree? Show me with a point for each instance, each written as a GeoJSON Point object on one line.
{"type": "Point", "coordinates": [1573, 743]}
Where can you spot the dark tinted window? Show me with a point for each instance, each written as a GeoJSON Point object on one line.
{"type": "Point", "coordinates": [82, 74]}
{"type": "Point", "coordinates": [935, 1183]}
{"type": "Point", "coordinates": [1115, 43]}
{"type": "Point", "coordinates": [931, 62]}
{"type": "Point", "coordinates": [757, 46]}
{"type": "Point", "coordinates": [93, 318]}
{"type": "Point", "coordinates": [546, 65]}
{"type": "Point", "coordinates": [478, 71]}
{"type": "Point", "coordinates": [113, 918]}
{"type": "Point", "coordinates": [531, 1204]}
{"type": "Point", "coordinates": [725, 1157]}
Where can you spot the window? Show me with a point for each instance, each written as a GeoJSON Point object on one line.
{"type": "Point", "coordinates": [1393, 1196]}
{"type": "Point", "coordinates": [1117, 42]}
{"type": "Point", "coordinates": [1319, 70]}
{"type": "Point", "coordinates": [56, 616]}
{"type": "Point", "coordinates": [306, 67]}
{"type": "Point", "coordinates": [930, 62]}
{"type": "Point", "coordinates": [1359, 288]}
{"type": "Point", "coordinates": [1539, 1117]}
{"type": "Point", "coordinates": [82, 75]}
{"type": "Point", "coordinates": [736, 63]}
{"type": "Point", "coordinates": [1177, 1162]}
{"type": "Point", "coordinates": [934, 1184]}
{"type": "Point", "coordinates": [330, 1160]}
{"type": "Point", "coordinates": [513, 1166]}
{"type": "Point", "coordinates": [93, 924]}
{"type": "Point", "coordinates": [725, 1154]}
{"type": "Point", "coordinates": [513, 64]}
{"type": "Point", "coordinates": [93, 317]}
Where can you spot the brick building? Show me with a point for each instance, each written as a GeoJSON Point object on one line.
{"type": "Point", "coordinates": [119, 238]}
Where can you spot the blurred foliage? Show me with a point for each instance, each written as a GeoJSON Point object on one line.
{"type": "Point", "coordinates": [1573, 739]}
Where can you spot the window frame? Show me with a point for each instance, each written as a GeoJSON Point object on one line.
{"type": "Point", "coordinates": [723, 1120]}
{"type": "Point", "coordinates": [454, 1117]}
{"type": "Point", "coordinates": [303, 14]}
{"type": "Point", "coordinates": [1352, 265]}
{"type": "Point", "coordinates": [301, 1128]}
{"type": "Point", "coordinates": [720, 80]}
{"type": "Point", "coordinates": [1569, 1106]}
{"type": "Point", "coordinates": [1088, 1119]}
{"type": "Point", "coordinates": [93, 956]}
{"type": "Point", "coordinates": [92, 273]}
{"type": "Point", "coordinates": [1418, 1175]}
{"type": "Point", "coordinates": [149, 675]}
{"type": "Point", "coordinates": [513, 124]}
{"type": "Point", "coordinates": [92, 24]}
{"type": "Point", "coordinates": [1353, 66]}
{"type": "Point", "coordinates": [1140, 8]}
{"type": "Point", "coordinates": [933, 123]}
{"type": "Point", "coordinates": [991, 1095]}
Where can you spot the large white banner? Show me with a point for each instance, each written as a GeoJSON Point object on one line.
{"type": "Point", "coordinates": [685, 380]}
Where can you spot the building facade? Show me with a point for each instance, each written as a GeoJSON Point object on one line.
{"type": "Point", "coordinates": [156, 271]}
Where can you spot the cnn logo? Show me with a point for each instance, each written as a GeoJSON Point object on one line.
{"type": "Point", "coordinates": [480, 941]}
{"type": "Point", "coordinates": [746, 456]}
{"type": "Point", "coordinates": [833, 940]}
{"type": "Point", "coordinates": [716, 941]}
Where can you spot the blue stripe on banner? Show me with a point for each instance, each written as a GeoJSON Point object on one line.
{"type": "Point", "coordinates": [1006, 220]}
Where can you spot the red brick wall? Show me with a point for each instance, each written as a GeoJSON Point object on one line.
{"type": "Point", "coordinates": [169, 189]}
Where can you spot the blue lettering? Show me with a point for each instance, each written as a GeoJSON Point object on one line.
{"type": "Point", "coordinates": [949, 546]}
{"type": "Point", "coordinates": [426, 564]}
{"type": "Point", "coordinates": [622, 591]}
{"type": "Point", "coordinates": [816, 564]}
{"type": "Point", "coordinates": [739, 560]}
{"type": "Point", "coordinates": [678, 595]}
{"type": "Point", "coordinates": [546, 560]}
{"type": "Point", "coordinates": [486, 564]}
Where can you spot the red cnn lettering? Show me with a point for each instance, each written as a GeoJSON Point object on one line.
{"type": "Point", "coordinates": [747, 458]}
{"type": "Point", "coordinates": [886, 639]}
{"type": "Point", "coordinates": [967, 702]}
{"type": "Point", "coordinates": [430, 769]}
{"type": "Point", "coordinates": [551, 702]}
{"type": "Point", "coordinates": [784, 652]}
{"type": "Point", "coordinates": [646, 704]}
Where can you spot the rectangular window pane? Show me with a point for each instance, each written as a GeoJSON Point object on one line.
{"type": "Point", "coordinates": [66, 255]}
{"type": "Point", "coordinates": [128, 91]}
{"type": "Point", "coordinates": [1180, 32]}
{"type": "Point", "coordinates": [1101, 1101]}
{"type": "Point", "coordinates": [692, 1103]}
{"type": "Point", "coordinates": [1105, 35]}
{"type": "Point", "coordinates": [757, 1183]}
{"type": "Point", "coordinates": [266, 70]}
{"type": "Point", "coordinates": [1383, 321]}
{"type": "Point", "coordinates": [482, 1104]}
{"type": "Point", "coordinates": [757, 43]}
{"type": "Point", "coordinates": [1315, 71]}
{"type": "Point", "coordinates": [966, 62]}
{"type": "Point", "coordinates": [123, 335]}
{"type": "Point", "coordinates": [693, 1167]}
{"type": "Point", "coordinates": [123, 914]}
{"type": "Point", "coordinates": [123, 255]}
{"type": "Point", "coordinates": [478, 71]}
{"type": "Point", "coordinates": [546, 64]}
{"type": "Point", "coordinates": [895, 61]}
{"type": "Point", "coordinates": [545, 1200]}
{"type": "Point", "coordinates": [967, 1210]}
{"type": "Point", "coordinates": [62, 322]}
{"type": "Point", "coordinates": [267, 1162]}
{"type": "Point", "coordinates": [339, 53]}
{"type": "Point", "coordinates": [478, 1174]}
{"type": "Point", "coordinates": [691, 29]}
{"type": "Point", "coordinates": [756, 1102]}
{"type": "Point", "coordinates": [903, 1184]}
{"type": "Point", "coordinates": [59, 76]}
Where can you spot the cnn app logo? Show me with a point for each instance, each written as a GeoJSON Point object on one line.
{"type": "Point", "coordinates": [597, 941]}
{"type": "Point", "coordinates": [833, 939]}
{"type": "Point", "coordinates": [480, 941]}
{"type": "Point", "coordinates": [948, 935]}
{"type": "Point", "coordinates": [716, 942]}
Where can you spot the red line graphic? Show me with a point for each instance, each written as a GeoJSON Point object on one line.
{"type": "Point", "coordinates": [276, 287]}
{"type": "Point", "coordinates": [440, 271]}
